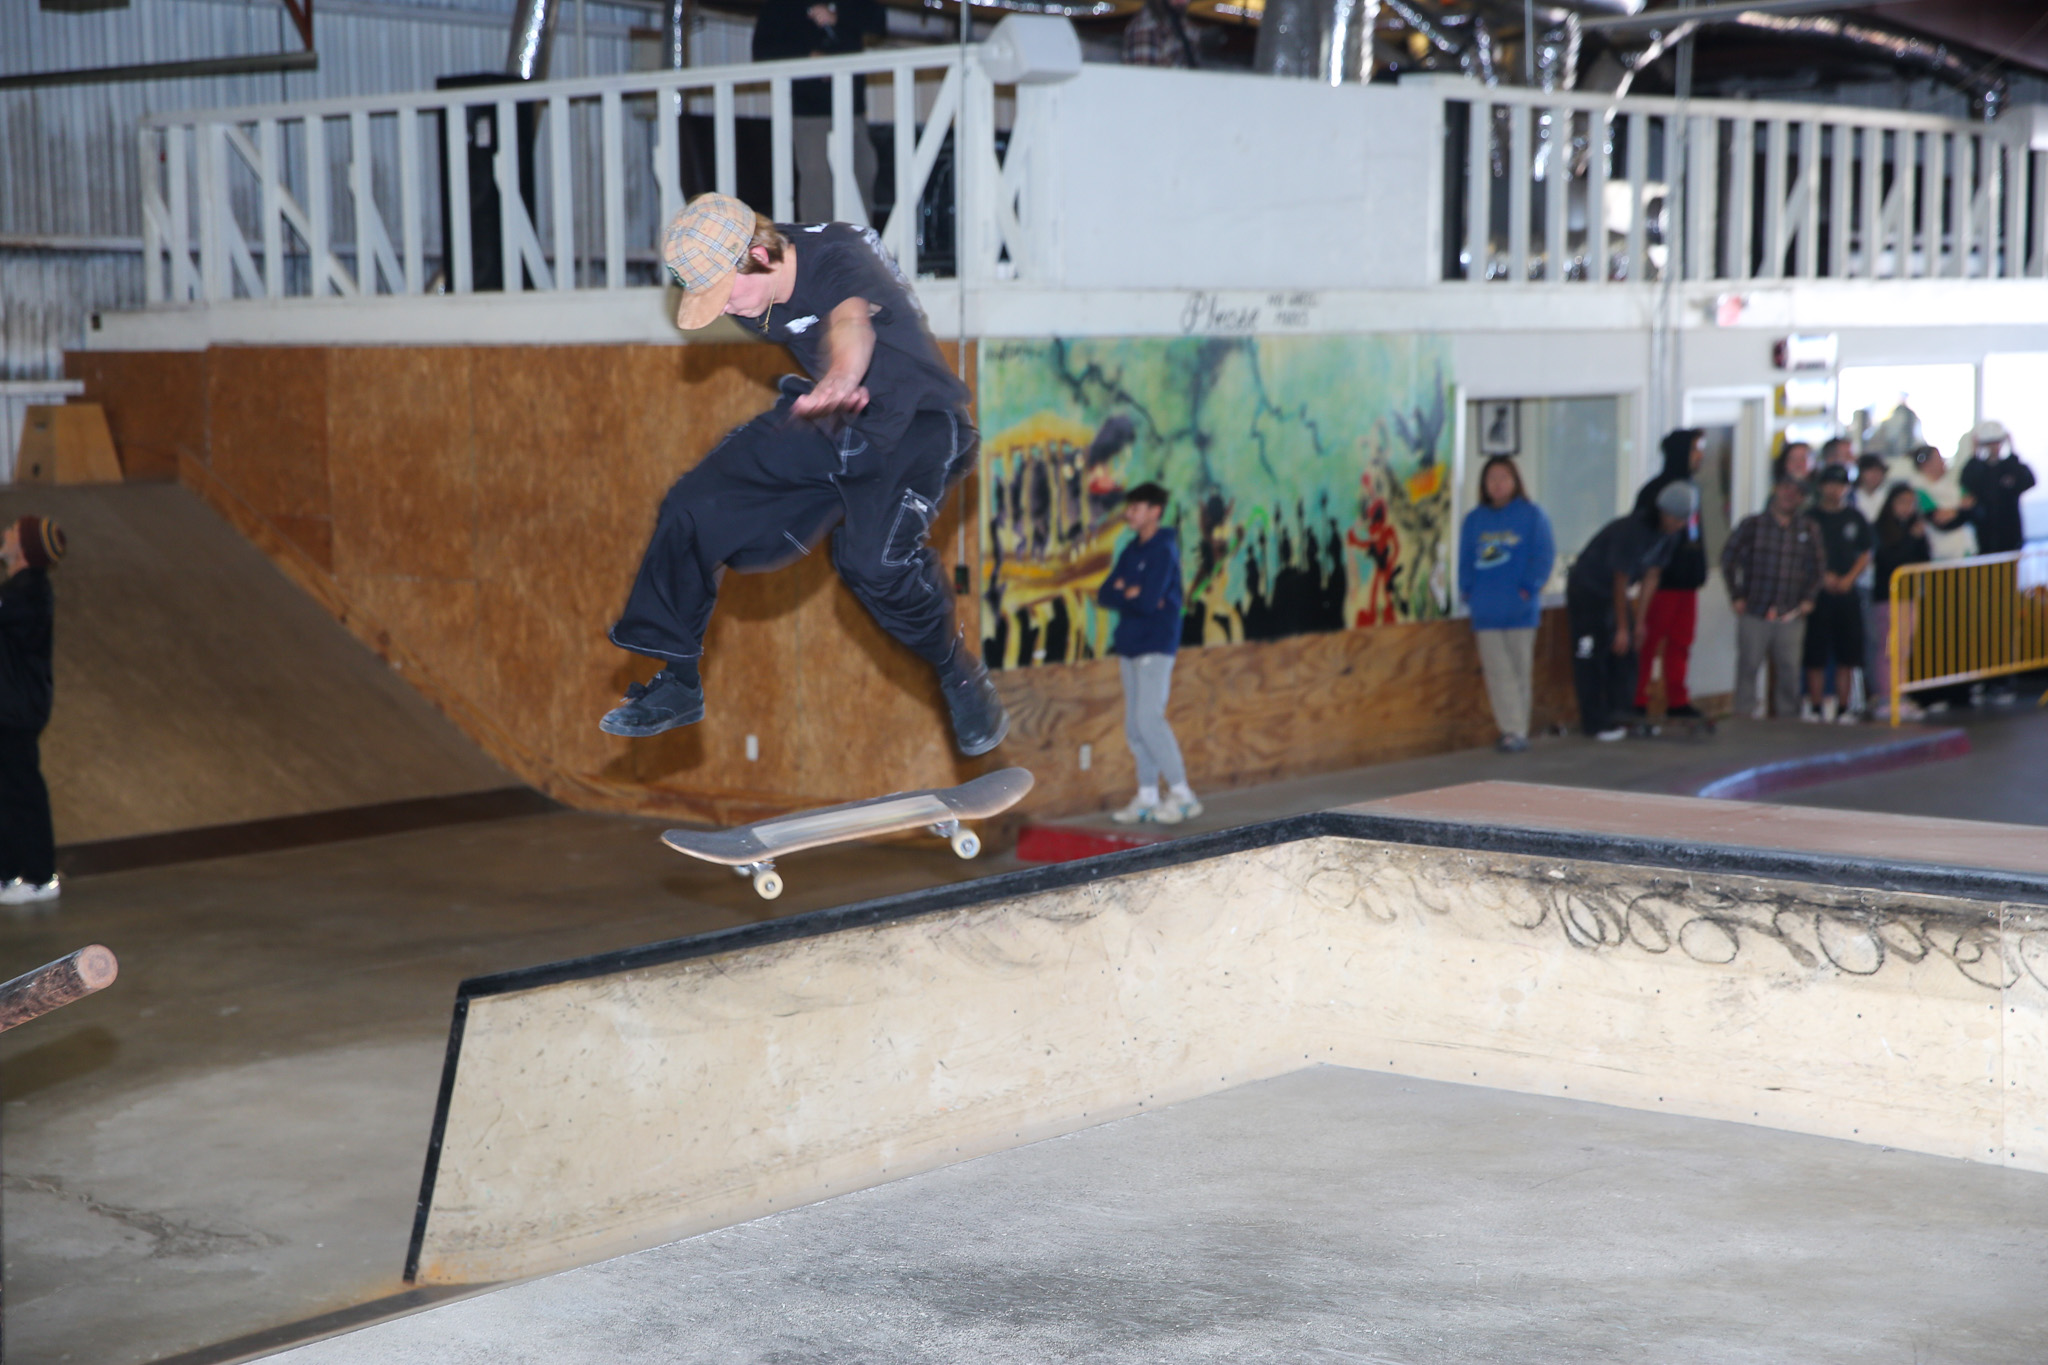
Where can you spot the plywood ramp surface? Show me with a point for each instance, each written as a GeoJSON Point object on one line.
{"type": "Point", "coordinates": [197, 686]}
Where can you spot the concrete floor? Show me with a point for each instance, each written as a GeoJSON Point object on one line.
{"type": "Point", "coordinates": [230, 1138]}
{"type": "Point", "coordinates": [1327, 1215]}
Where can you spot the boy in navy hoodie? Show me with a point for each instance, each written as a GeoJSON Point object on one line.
{"type": "Point", "coordinates": [1144, 590]}
{"type": "Point", "coordinates": [1505, 554]}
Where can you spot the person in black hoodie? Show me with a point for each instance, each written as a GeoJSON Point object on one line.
{"type": "Point", "coordinates": [1674, 611]}
{"type": "Point", "coordinates": [28, 846]}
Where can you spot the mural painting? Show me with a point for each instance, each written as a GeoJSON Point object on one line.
{"type": "Point", "coordinates": [1309, 480]}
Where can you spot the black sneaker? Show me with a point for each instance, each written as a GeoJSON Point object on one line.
{"type": "Point", "coordinates": [661, 703]}
{"type": "Point", "coordinates": [979, 720]}
{"type": "Point", "coordinates": [1685, 712]}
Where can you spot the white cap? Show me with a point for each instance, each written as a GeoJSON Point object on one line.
{"type": "Point", "coordinates": [1988, 433]}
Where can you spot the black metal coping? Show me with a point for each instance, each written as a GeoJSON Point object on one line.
{"type": "Point", "coordinates": [1877, 874]}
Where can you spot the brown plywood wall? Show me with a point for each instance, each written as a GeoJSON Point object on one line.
{"type": "Point", "coordinates": [155, 403]}
{"type": "Point", "coordinates": [476, 513]}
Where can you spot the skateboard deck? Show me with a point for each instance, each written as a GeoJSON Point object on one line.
{"type": "Point", "coordinates": [751, 850]}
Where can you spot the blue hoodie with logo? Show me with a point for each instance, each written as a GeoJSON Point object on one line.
{"type": "Point", "coordinates": [1504, 558]}
{"type": "Point", "coordinates": [1150, 622]}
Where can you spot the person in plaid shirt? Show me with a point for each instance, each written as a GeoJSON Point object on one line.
{"type": "Point", "coordinates": [1772, 566]}
{"type": "Point", "coordinates": [1159, 36]}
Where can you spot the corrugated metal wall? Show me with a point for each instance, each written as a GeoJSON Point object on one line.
{"type": "Point", "coordinates": [68, 161]}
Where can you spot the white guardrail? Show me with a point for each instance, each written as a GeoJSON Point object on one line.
{"type": "Point", "coordinates": [345, 197]}
{"type": "Point", "coordinates": [1564, 188]}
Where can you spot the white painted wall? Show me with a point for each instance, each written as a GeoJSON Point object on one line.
{"type": "Point", "coordinates": [1166, 179]}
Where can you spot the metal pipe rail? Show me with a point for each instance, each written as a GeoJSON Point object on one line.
{"type": "Point", "coordinates": [1966, 620]}
{"type": "Point", "coordinates": [1561, 187]}
{"type": "Point", "coordinates": [329, 198]}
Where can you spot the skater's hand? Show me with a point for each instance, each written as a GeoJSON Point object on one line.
{"type": "Point", "coordinates": [1621, 640]}
{"type": "Point", "coordinates": [833, 393]}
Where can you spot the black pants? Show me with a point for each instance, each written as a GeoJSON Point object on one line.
{"type": "Point", "coordinates": [1605, 681]}
{"type": "Point", "coordinates": [769, 492]}
{"type": "Point", "coordinates": [28, 846]}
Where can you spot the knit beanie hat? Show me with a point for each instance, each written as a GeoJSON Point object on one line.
{"type": "Point", "coordinates": [42, 541]}
{"type": "Point", "coordinates": [1678, 499]}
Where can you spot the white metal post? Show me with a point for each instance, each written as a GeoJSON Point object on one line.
{"type": "Point", "coordinates": [613, 162]}
{"type": "Point", "coordinates": [846, 197]}
{"type": "Point", "coordinates": [563, 197]}
{"type": "Point", "coordinates": [461, 272]}
{"type": "Point", "coordinates": [1521, 168]}
{"type": "Point", "coordinates": [781, 136]}
{"type": "Point", "coordinates": [270, 167]}
{"type": "Point", "coordinates": [409, 208]}
{"type": "Point", "coordinates": [317, 215]}
{"type": "Point", "coordinates": [724, 155]}
{"type": "Point", "coordinates": [1479, 191]}
{"type": "Point", "coordinates": [511, 197]}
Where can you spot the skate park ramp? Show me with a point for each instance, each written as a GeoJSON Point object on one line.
{"type": "Point", "coordinates": [198, 688]}
{"type": "Point", "coordinates": [1878, 980]}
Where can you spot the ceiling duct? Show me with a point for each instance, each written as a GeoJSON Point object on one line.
{"type": "Point", "coordinates": [1325, 40]}
{"type": "Point", "coordinates": [533, 34]}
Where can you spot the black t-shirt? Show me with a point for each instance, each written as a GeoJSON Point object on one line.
{"type": "Point", "coordinates": [836, 262]}
{"type": "Point", "coordinates": [1889, 559]}
{"type": "Point", "coordinates": [1844, 536]}
{"type": "Point", "coordinates": [1623, 546]}
{"type": "Point", "coordinates": [1997, 485]}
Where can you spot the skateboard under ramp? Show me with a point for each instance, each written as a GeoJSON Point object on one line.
{"type": "Point", "coordinates": [1531, 939]}
{"type": "Point", "coordinates": [196, 686]}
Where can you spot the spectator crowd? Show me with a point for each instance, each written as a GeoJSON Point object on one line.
{"type": "Point", "coordinates": [1809, 580]}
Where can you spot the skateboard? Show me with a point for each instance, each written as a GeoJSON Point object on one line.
{"type": "Point", "coordinates": [751, 850]}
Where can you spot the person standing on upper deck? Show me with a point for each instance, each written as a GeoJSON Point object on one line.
{"type": "Point", "coordinates": [1160, 36]}
{"type": "Point", "coordinates": [798, 28]}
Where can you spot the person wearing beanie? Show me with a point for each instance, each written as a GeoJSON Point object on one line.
{"type": "Point", "coordinates": [1674, 613]}
{"type": "Point", "coordinates": [866, 449]}
{"type": "Point", "coordinates": [28, 845]}
{"type": "Point", "coordinates": [1622, 562]}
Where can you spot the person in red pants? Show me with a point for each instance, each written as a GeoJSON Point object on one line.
{"type": "Point", "coordinates": [1674, 611]}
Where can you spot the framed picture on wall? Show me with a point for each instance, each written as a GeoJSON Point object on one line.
{"type": "Point", "coordinates": [1500, 426]}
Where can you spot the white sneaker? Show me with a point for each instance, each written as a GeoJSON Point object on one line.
{"type": "Point", "coordinates": [1848, 717]}
{"type": "Point", "coordinates": [1167, 812]}
{"type": "Point", "coordinates": [1830, 710]}
{"type": "Point", "coordinates": [19, 892]}
{"type": "Point", "coordinates": [1135, 812]}
{"type": "Point", "coordinates": [1807, 712]}
{"type": "Point", "coordinates": [1609, 735]}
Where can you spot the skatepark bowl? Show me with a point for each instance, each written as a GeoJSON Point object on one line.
{"type": "Point", "coordinates": [1555, 954]}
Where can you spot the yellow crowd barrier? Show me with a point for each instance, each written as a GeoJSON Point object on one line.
{"type": "Point", "coordinates": [1965, 620]}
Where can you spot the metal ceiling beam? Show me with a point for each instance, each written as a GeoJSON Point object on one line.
{"type": "Point", "coordinates": [1668, 17]}
{"type": "Point", "coordinates": [167, 71]}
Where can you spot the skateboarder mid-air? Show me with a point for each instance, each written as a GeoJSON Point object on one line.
{"type": "Point", "coordinates": [870, 445]}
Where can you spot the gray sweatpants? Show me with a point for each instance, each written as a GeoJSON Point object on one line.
{"type": "Point", "coordinates": [1147, 680]}
{"type": "Point", "coordinates": [1778, 641]}
{"type": "Point", "coordinates": [1508, 658]}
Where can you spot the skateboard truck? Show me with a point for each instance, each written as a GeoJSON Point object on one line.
{"type": "Point", "coordinates": [965, 842]}
{"type": "Point", "coordinates": [767, 881]}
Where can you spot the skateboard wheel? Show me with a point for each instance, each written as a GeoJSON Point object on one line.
{"type": "Point", "coordinates": [768, 884]}
{"type": "Point", "coordinates": [966, 843]}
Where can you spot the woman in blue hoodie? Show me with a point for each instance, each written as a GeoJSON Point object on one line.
{"type": "Point", "coordinates": [1144, 590]}
{"type": "Point", "coordinates": [1504, 557]}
